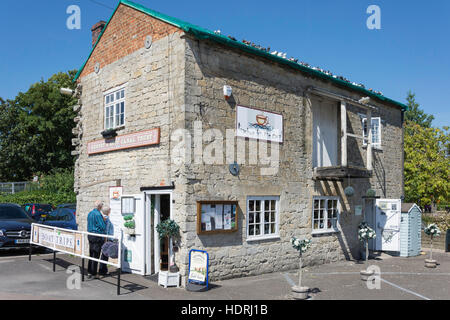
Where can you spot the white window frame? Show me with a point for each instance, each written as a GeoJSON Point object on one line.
{"type": "Point", "coordinates": [338, 208]}
{"type": "Point", "coordinates": [263, 236]}
{"type": "Point", "coordinates": [108, 104]}
{"type": "Point", "coordinates": [376, 144]}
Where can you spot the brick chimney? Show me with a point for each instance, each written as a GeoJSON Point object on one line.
{"type": "Point", "coordinates": [96, 30]}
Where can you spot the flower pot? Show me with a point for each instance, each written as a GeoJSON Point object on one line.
{"type": "Point", "coordinates": [430, 263]}
{"type": "Point", "coordinates": [130, 231]}
{"type": "Point", "coordinates": [300, 293]}
{"type": "Point", "coordinates": [365, 275]}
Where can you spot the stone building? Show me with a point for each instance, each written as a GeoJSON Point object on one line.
{"type": "Point", "coordinates": [176, 144]}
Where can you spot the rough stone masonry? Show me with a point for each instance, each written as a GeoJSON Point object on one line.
{"type": "Point", "coordinates": [178, 82]}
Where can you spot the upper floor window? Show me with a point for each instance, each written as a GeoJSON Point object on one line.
{"type": "Point", "coordinates": [262, 217]}
{"type": "Point", "coordinates": [325, 214]}
{"type": "Point", "coordinates": [376, 131]}
{"type": "Point", "coordinates": [115, 108]}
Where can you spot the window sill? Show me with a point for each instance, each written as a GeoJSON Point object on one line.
{"type": "Point", "coordinates": [319, 232]}
{"type": "Point", "coordinates": [259, 238]}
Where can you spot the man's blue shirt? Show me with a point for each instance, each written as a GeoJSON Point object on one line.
{"type": "Point", "coordinates": [95, 222]}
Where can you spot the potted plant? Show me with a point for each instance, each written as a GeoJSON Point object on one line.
{"type": "Point", "coordinates": [130, 225]}
{"type": "Point", "coordinates": [431, 230]}
{"type": "Point", "coordinates": [169, 229]}
{"type": "Point", "coordinates": [109, 133]}
{"type": "Point", "coordinates": [301, 246]}
{"type": "Point", "coordinates": [366, 233]}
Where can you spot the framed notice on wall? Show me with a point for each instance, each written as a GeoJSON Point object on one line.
{"type": "Point", "coordinates": [217, 217]}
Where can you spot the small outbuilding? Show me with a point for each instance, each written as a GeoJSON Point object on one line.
{"type": "Point", "coordinates": [410, 230]}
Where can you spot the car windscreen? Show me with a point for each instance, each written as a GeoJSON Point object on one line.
{"type": "Point", "coordinates": [12, 213]}
{"type": "Point", "coordinates": [43, 208]}
{"type": "Point", "coordinates": [60, 215]}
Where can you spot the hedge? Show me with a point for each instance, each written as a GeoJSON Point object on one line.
{"type": "Point", "coordinates": [39, 196]}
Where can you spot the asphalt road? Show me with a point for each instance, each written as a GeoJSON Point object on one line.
{"type": "Point", "coordinates": [401, 278]}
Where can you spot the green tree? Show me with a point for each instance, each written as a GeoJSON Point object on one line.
{"type": "Point", "coordinates": [36, 129]}
{"type": "Point", "coordinates": [427, 168]}
{"type": "Point", "coordinates": [415, 114]}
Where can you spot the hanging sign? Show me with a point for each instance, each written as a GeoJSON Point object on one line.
{"type": "Point", "coordinates": [198, 267]}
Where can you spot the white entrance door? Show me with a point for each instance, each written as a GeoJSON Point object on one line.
{"type": "Point", "coordinates": [388, 217]}
{"type": "Point", "coordinates": [133, 254]}
{"type": "Point", "coordinates": [325, 134]}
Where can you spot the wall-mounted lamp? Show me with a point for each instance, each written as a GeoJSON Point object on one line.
{"type": "Point", "coordinates": [227, 92]}
{"type": "Point", "coordinates": [67, 92]}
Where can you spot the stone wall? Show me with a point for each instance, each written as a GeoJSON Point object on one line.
{"type": "Point", "coordinates": [262, 84]}
{"type": "Point", "coordinates": [154, 92]}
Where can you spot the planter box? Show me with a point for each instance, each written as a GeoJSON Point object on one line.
{"type": "Point", "coordinates": [168, 279]}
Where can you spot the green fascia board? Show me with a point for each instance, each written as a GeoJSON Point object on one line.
{"type": "Point", "coordinates": [204, 34]}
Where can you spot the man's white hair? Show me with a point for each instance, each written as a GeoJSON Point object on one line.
{"type": "Point", "coordinates": [106, 209]}
{"type": "Point", "coordinates": [99, 204]}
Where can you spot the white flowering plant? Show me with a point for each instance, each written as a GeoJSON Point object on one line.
{"type": "Point", "coordinates": [432, 230]}
{"type": "Point", "coordinates": [301, 245]}
{"type": "Point", "coordinates": [365, 232]}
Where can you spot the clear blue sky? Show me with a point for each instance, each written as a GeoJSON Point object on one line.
{"type": "Point", "coordinates": [410, 52]}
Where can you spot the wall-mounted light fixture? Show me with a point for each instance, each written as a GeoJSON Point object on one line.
{"type": "Point", "coordinates": [67, 92]}
{"type": "Point", "coordinates": [227, 92]}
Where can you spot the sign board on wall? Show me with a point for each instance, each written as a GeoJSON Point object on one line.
{"type": "Point", "coordinates": [259, 124]}
{"type": "Point", "coordinates": [198, 266]}
{"type": "Point", "coordinates": [127, 141]}
{"type": "Point", "coordinates": [115, 203]}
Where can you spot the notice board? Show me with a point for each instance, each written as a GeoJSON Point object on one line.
{"type": "Point", "coordinates": [217, 217]}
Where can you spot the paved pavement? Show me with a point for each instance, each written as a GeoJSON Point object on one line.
{"type": "Point", "coordinates": [401, 278]}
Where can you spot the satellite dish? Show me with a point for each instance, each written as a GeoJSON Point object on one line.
{"type": "Point", "coordinates": [234, 169]}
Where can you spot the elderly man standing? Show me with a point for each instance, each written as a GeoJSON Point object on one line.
{"type": "Point", "coordinates": [96, 224]}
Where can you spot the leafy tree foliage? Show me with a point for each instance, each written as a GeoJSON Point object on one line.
{"type": "Point", "coordinates": [36, 129]}
{"type": "Point", "coordinates": [415, 114]}
{"type": "Point", "coordinates": [427, 167]}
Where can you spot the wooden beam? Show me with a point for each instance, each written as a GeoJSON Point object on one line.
{"type": "Point", "coordinates": [369, 140]}
{"type": "Point", "coordinates": [343, 133]}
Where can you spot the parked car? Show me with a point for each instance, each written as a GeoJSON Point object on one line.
{"type": "Point", "coordinates": [61, 218]}
{"type": "Point", "coordinates": [38, 210]}
{"type": "Point", "coordinates": [15, 227]}
{"type": "Point", "coordinates": [72, 206]}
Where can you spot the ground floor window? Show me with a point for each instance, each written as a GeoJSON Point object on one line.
{"type": "Point", "coordinates": [262, 217]}
{"type": "Point", "coordinates": [325, 214]}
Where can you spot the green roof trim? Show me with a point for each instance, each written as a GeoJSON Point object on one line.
{"type": "Point", "coordinates": [202, 33]}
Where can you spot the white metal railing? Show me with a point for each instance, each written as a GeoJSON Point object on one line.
{"type": "Point", "coordinates": [13, 187]}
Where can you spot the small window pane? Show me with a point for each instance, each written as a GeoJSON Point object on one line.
{"type": "Point", "coordinates": [122, 94]}
{"type": "Point", "coordinates": [251, 230]}
{"type": "Point", "coordinates": [118, 95]}
{"type": "Point", "coordinates": [266, 205]}
{"type": "Point", "coordinates": [257, 230]}
{"type": "Point", "coordinates": [257, 218]}
{"type": "Point", "coordinates": [107, 99]}
{"type": "Point", "coordinates": [122, 119]}
{"type": "Point", "coordinates": [258, 205]}
{"type": "Point", "coordinates": [267, 217]}
{"type": "Point", "coordinates": [251, 218]}
{"type": "Point", "coordinates": [266, 228]}
{"type": "Point", "coordinates": [251, 205]}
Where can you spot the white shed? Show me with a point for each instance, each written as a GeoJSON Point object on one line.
{"type": "Point", "coordinates": [410, 230]}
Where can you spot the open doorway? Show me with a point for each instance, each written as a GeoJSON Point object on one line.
{"type": "Point", "coordinates": [158, 251]}
{"type": "Point", "coordinates": [164, 243]}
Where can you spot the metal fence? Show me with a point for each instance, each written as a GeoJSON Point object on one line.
{"type": "Point", "coordinates": [14, 187]}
